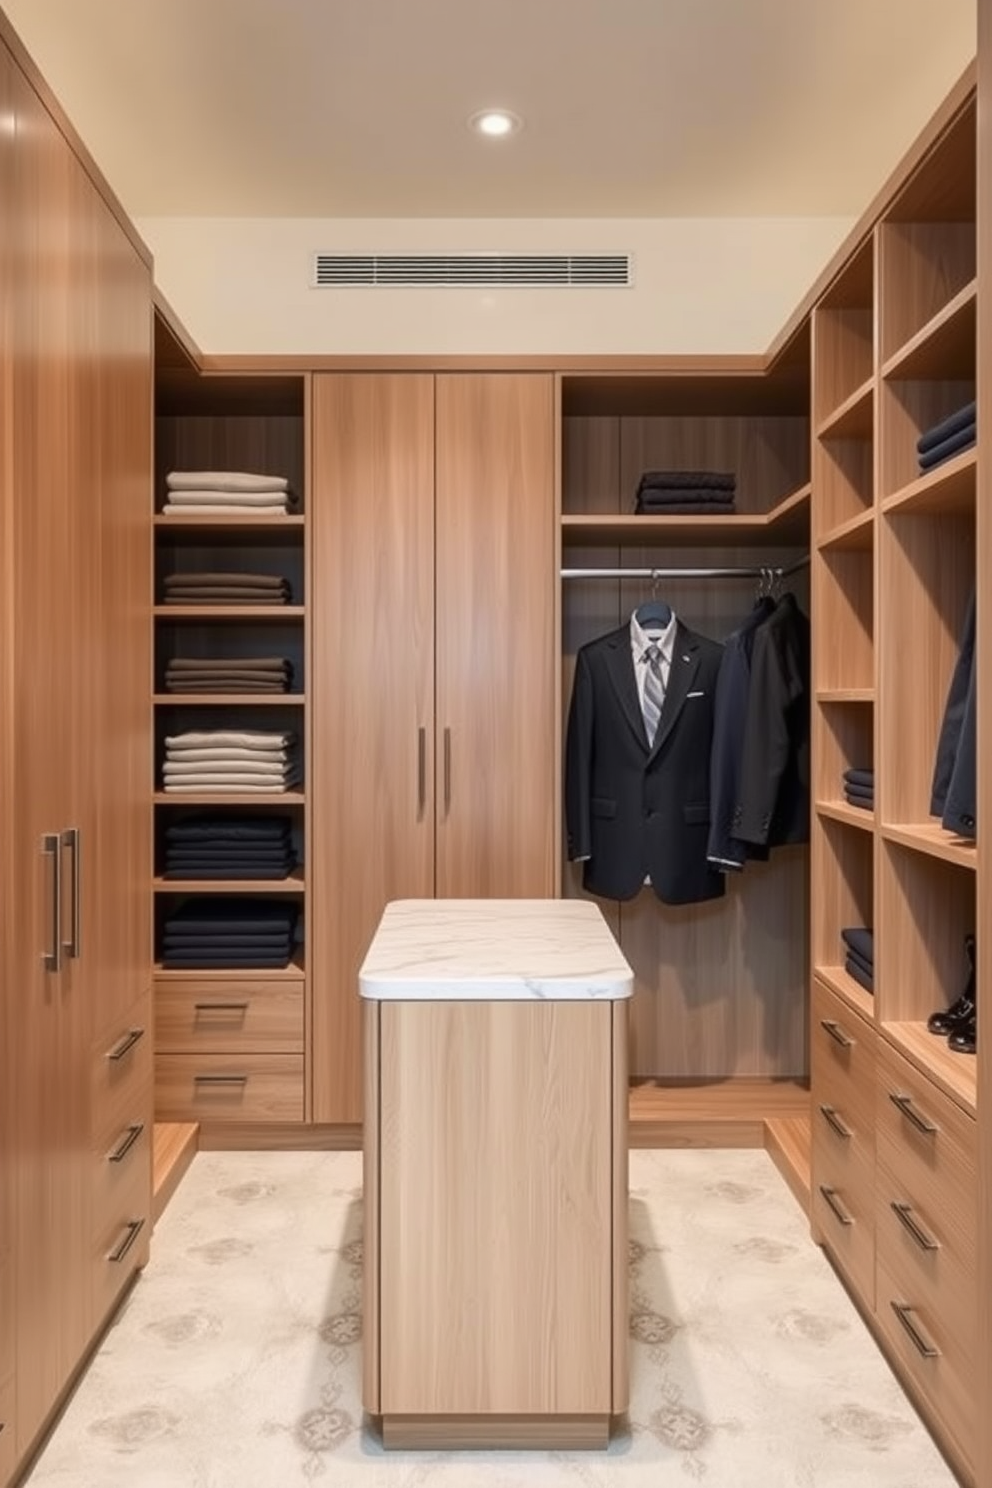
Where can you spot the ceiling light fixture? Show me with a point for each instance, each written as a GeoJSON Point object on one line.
{"type": "Point", "coordinates": [495, 123]}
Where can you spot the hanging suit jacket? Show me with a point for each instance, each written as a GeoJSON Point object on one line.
{"type": "Point", "coordinates": [725, 851]}
{"type": "Point", "coordinates": [633, 811]}
{"type": "Point", "coordinates": [773, 806]}
{"type": "Point", "coordinates": [954, 791]}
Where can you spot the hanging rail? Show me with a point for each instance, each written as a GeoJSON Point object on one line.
{"type": "Point", "coordinates": [767, 570]}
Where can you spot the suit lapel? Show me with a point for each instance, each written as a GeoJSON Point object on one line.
{"type": "Point", "coordinates": [620, 668]}
{"type": "Point", "coordinates": [685, 664]}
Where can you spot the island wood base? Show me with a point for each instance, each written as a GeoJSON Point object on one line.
{"type": "Point", "coordinates": [472, 1433]}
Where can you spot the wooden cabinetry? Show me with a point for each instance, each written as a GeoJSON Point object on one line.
{"type": "Point", "coordinates": [75, 292]}
{"type": "Point", "coordinates": [893, 578]}
{"type": "Point", "coordinates": [433, 743]}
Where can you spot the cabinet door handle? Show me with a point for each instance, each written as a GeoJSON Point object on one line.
{"type": "Point", "coordinates": [71, 838]}
{"type": "Point", "coordinates": [51, 847]}
{"type": "Point", "coordinates": [831, 1026]}
{"type": "Point", "coordinates": [833, 1203]}
{"type": "Point", "coordinates": [833, 1120]}
{"type": "Point", "coordinates": [125, 1044]}
{"type": "Point", "coordinates": [421, 770]}
{"type": "Point", "coordinates": [220, 1079]}
{"type": "Point", "coordinates": [904, 1214]}
{"type": "Point", "coordinates": [221, 1007]}
{"type": "Point", "coordinates": [126, 1142]}
{"type": "Point", "coordinates": [904, 1103]}
{"type": "Point", "coordinates": [134, 1229]}
{"type": "Point", "coordinates": [923, 1346]}
{"type": "Point", "coordinates": [447, 771]}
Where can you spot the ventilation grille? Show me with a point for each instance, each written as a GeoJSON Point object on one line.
{"type": "Point", "coordinates": [472, 271]}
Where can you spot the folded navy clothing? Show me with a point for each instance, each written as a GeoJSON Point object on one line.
{"type": "Point", "coordinates": [229, 828]}
{"type": "Point", "coordinates": [866, 791]}
{"type": "Point", "coordinates": [859, 777]}
{"type": "Point", "coordinates": [236, 853]}
{"type": "Point", "coordinates": [685, 494]}
{"type": "Point", "coordinates": [662, 480]}
{"type": "Point", "coordinates": [948, 447]}
{"type": "Point", "coordinates": [221, 915]}
{"type": "Point", "coordinates": [867, 967]}
{"type": "Point", "coordinates": [174, 961]}
{"type": "Point", "coordinates": [685, 508]}
{"type": "Point", "coordinates": [861, 941]}
{"type": "Point", "coordinates": [859, 974]}
{"type": "Point", "coordinates": [954, 422]}
{"type": "Point", "coordinates": [267, 943]}
{"type": "Point", "coordinates": [246, 875]}
{"type": "Point", "coordinates": [863, 803]}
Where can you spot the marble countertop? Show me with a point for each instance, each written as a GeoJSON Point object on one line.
{"type": "Point", "coordinates": [432, 950]}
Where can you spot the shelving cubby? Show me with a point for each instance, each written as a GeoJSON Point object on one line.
{"type": "Point", "coordinates": [843, 869]}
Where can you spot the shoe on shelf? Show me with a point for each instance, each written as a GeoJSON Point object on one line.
{"type": "Point", "coordinates": [960, 1013]}
{"type": "Point", "coordinates": [964, 1040]}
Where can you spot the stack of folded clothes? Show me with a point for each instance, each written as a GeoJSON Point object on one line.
{"type": "Point", "coordinates": [952, 435]}
{"type": "Point", "coordinates": [227, 493]}
{"type": "Point", "coordinates": [225, 588]}
{"type": "Point", "coordinates": [678, 492]}
{"type": "Point", "coordinates": [230, 847]}
{"type": "Point", "coordinates": [859, 788]}
{"type": "Point", "coordinates": [214, 933]}
{"type": "Point", "coordinates": [228, 674]}
{"type": "Point", "coordinates": [230, 760]}
{"type": "Point", "coordinates": [859, 960]}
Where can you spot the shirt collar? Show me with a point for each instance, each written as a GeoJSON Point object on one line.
{"type": "Point", "coordinates": [640, 640]}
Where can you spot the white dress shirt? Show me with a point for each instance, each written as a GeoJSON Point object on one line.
{"type": "Point", "coordinates": [640, 639]}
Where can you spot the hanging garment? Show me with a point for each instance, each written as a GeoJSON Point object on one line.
{"type": "Point", "coordinates": [773, 807]}
{"type": "Point", "coordinates": [954, 789]}
{"type": "Point", "coordinates": [636, 809]}
{"type": "Point", "coordinates": [725, 851]}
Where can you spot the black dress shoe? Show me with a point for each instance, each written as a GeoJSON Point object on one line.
{"type": "Point", "coordinates": [964, 1040]}
{"type": "Point", "coordinates": [962, 1012]}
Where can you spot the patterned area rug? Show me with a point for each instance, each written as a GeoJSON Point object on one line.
{"type": "Point", "coordinates": [235, 1362]}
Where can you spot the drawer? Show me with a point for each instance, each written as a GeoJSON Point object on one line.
{"type": "Point", "coordinates": [121, 1074]}
{"type": "Point", "coordinates": [229, 1087]}
{"type": "Point", "coordinates": [217, 1017]}
{"type": "Point", "coordinates": [121, 1235]}
{"type": "Point", "coordinates": [926, 1344]}
{"type": "Point", "coordinates": [7, 1444]}
{"type": "Point", "coordinates": [927, 1147]}
{"type": "Point", "coordinates": [115, 1186]}
{"type": "Point", "coordinates": [843, 1213]}
{"type": "Point", "coordinates": [842, 1058]}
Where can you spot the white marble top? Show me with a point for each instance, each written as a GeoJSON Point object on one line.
{"type": "Point", "coordinates": [506, 950]}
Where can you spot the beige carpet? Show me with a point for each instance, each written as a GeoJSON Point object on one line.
{"type": "Point", "coordinates": [235, 1362]}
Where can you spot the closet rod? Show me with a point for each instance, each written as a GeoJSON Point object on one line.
{"type": "Point", "coordinates": [771, 570]}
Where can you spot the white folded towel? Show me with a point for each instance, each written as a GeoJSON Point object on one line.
{"type": "Point", "coordinates": [275, 512]}
{"type": "Point", "coordinates": [230, 754]}
{"type": "Point", "coordinates": [261, 499]}
{"type": "Point", "coordinates": [228, 787]}
{"type": "Point", "coordinates": [175, 768]}
{"type": "Point", "coordinates": [224, 480]}
{"type": "Point", "coordinates": [239, 738]}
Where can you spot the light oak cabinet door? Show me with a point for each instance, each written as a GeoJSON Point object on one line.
{"type": "Point", "coordinates": [497, 771]}
{"type": "Point", "coordinates": [432, 762]}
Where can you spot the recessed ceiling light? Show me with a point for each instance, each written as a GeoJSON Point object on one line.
{"type": "Point", "coordinates": [495, 123]}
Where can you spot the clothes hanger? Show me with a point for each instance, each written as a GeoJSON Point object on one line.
{"type": "Point", "coordinates": [653, 612]}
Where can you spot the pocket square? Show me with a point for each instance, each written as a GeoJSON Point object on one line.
{"type": "Point", "coordinates": [694, 694]}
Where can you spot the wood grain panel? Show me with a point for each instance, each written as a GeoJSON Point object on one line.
{"type": "Point", "coordinates": [620, 1036]}
{"type": "Point", "coordinates": [373, 743]}
{"type": "Point", "coordinates": [8, 1189]}
{"type": "Point", "coordinates": [843, 740]}
{"type": "Point", "coordinates": [496, 761]}
{"type": "Point", "coordinates": [120, 1073]}
{"type": "Point", "coordinates": [922, 266]}
{"type": "Point", "coordinates": [229, 1087]}
{"type": "Point", "coordinates": [843, 606]}
{"type": "Point", "coordinates": [926, 908]}
{"type": "Point", "coordinates": [843, 872]}
{"type": "Point", "coordinates": [768, 454]}
{"type": "Point", "coordinates": [252, 1017]}
{"type": "Point", "coordinates": [370, 1211]}
{"type": "Point", "coordinates": [263, 443]}
{"type": "Point", "coordinates": [908, 409]}
{"type": "Point", "coordinates": [519, 1092]}
{"type": "Point", "coordinates": [842, 355]}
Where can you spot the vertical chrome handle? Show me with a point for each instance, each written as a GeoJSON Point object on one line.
{"type": "Point", "coordinates": [421, 770]}
{"type": "Point", "coordinates": [71, 839]}
{"type": "Point", "coordinates": [447, 771]}
{"type": "Point", "coordinates": [51, 846]}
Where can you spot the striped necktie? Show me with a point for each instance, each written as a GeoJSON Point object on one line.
{"type": "Point", "coordinates": [654, 692]}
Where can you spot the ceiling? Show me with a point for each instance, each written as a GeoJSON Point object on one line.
{"type": "Point", "coordinates": [632, 108]}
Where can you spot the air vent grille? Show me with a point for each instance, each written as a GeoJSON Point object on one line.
{"type": "Point", "coordinates": [471, 270]}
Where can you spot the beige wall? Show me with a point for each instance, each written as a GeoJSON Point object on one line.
{"type": "Point", "coordinates": [701, 285]}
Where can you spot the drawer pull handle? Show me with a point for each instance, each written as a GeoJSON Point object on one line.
{"type": "Point", "coordinates": [904, 1214]}
{"type": "Point", "coordinates": [834, 1204]}
{"type": "Point", "coordinates": [220, 1079]}
{"type": "Point", "coordinates": [905, 1316]}
{"type": "Point", "coordinates": [829, 1025]}
{"type": "Point", "coordinates": [125, 1045]}
{"type": "Point", "coordinates": [833, 1120]}
{"type": "Point", "coordinates": [905, 1104]}
{"type": "Point", "coordinates": [126, 1142]}
{"type": "Point", "coordinates": [134, 1229]}
{"type": "Point", "coordinates": [51, 846]}
{"type": "Point", "coordinates": [221, 1007]}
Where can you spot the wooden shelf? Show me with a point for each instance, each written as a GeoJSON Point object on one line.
{"type": "Point", "coordinates": [845, 694]}
{"type": "Point", "coordinates": [932, 838]}
{"type": "Point", "coordinates": [839, 981]}
{"type": "Point", "coordinates": [852, 816]}
{"type": "Point", "coordinates": [294, 972]}
{"type": "Point", "coordinates": [786, 524]}
{"type": "Point", "coordinates": [229, 798]}
{"type": "Point", "coordinates": [854, 418]}
{"type": "Point", "coordinates": [228, 524]}
{"type": "Point", "coordinates": [949, 488]}
{"type": "Point", "coordinates": [943, 348]}
{"type": "Point", "coordinates": [230, 699]}
{"type": "Point", "coordinates": [955, 1074]}
{"type": "Point", "coordinates": [229, 612]}
{"type": "Point", "coordinates": [857, 533]}
{"type": "Point", "coordinates": [294, 884]}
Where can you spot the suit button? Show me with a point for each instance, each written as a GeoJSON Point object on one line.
{"type": "Point", "coordinates": [968, 821]}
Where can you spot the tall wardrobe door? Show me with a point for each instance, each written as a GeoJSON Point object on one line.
{"type": "Point", "coordinates": [371, 750]}
{"type": "Point", "coordinates": [496, 584]}
{"type": "Point", "coordinates": [50, 1132]}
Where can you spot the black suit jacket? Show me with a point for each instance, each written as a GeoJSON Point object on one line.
{"type": "Point", "coordinates": [773, 807]}
{"type": "Point", "coordinates": [954, 794]}
{"type": "Point", "coordinates": [632, 810]}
